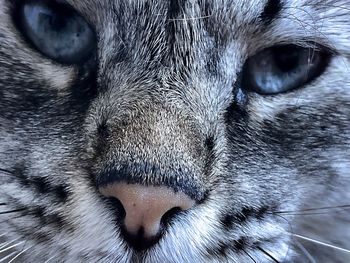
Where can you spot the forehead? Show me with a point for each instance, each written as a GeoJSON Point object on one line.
{"type": "Point", "coordinates": [243, 10]}
{"type": "Point", "coordinates": [131, 10]}
{"type": "Point", "coordinates": [183, 6]}
{"type": "Point", "coordinates": [294, 19]}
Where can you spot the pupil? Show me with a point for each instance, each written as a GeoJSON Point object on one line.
{"type": "Point", "coordinates": [287, 59]}
{"type": "Point", "coordinates": [57, 23]}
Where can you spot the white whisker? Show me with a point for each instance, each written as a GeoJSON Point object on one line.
{"type": "Point", "coordinates": [10, 247]}
{"type": "Point", "coordinates": [8, 256]}
{"type": "Point", "coordinates": [20, 253]}
{"type": "Point", "coordinates": [51, 258]}
{"type": "Point", "coordinates": [5, 244]}
{"type": "Point", "coordinates": [190, 18]}
{"type": "Point", "coordinates": [306, 253]}
{"type": "Point", "coordinates": [322, 243]}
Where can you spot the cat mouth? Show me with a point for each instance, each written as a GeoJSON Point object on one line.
{"type": "Point", "coordinates": [139, 242]}
{"type": "Point", "coordinates": [147, 249]}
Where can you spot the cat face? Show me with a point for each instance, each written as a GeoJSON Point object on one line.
{"type": "Point", "coordinates": [227, 119]}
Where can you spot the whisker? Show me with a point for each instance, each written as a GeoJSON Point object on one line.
{"type": "Point", "coordinates": [304, 214]}
{"type": "Point", "coordinates": [51, 258]}
{"type": "Point", "coordinates": [306, 253]}
{"type": "Point", "coordinates": [249, 256]}
{"type": "Point", "coordinates": [189, 18]}
{"type": "Point", "coordinates": [20, 253]}
{"type": "Point", "coordinates": [10, 247]}
{"type": "Point", "coordinates": [1, 204]}
{"type": "Point", "coordinates": [8, 256]}
{"type": "Point", "coordinates": [321, 243]}
{"type": "Point", "coordinates": [301, 247]}
{"type": "Point", "coordinates": [5, 244]}
{"type": "Point", "coordinates": [334, 6]}
{"type": "Point", "coordinates": [344, 207]}
{"type": "Point", "coordinates": [268, 254]}
{"type": "Point", "coordinates": [13, 211]}
{"type": "Point", "coordinates": [6, 171]}
{"type": "Point", "coordinates": [291, 230]}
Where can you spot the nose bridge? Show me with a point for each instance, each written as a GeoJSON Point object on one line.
{"type": "Point", "coordinates": [156, 145]}
{"type": "Point", "coordinates": [153, 127]}
{"type": "Point", "coordinates": [162, 126]}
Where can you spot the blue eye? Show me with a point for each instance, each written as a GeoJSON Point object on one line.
{"type": "Point", "coordinates": [56, 30]}
{"type": "Point", "coordinates": [283, 68]}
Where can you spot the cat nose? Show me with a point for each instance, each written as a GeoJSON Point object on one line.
{"type": "Point", "coordinates": [147, 208]}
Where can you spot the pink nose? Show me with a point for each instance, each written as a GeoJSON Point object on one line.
{"type": "Point", "coordinates": [145, 206]}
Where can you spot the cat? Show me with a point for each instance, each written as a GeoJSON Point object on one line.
{"type": "Point", "coordinates": [175, 131]}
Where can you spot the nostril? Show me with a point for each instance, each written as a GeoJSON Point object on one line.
{"type": "Point", "coordinates": [170, 215]}
{"type": "Point", "coordinates": [116, 205]}
{"type": "Point", "coordinates": [138, 241]}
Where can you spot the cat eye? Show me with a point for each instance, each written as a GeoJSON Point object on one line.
{"type": "Point", "coordinates": [283, 68]}
{"type": "Point", "coordinates": [56, 30]}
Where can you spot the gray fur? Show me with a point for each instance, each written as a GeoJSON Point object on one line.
{"type": "Point", "coordinates": [163, 85]}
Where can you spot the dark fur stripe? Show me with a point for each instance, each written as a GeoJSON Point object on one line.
{"type": "Point", "coordinates": [223, 249]}
{"type": "Point", "coordinates": [271, 11]}
{"type": "Point", "coordinates": [229, 220]}
{"type": "Point", "coordinates": [41, 185]}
